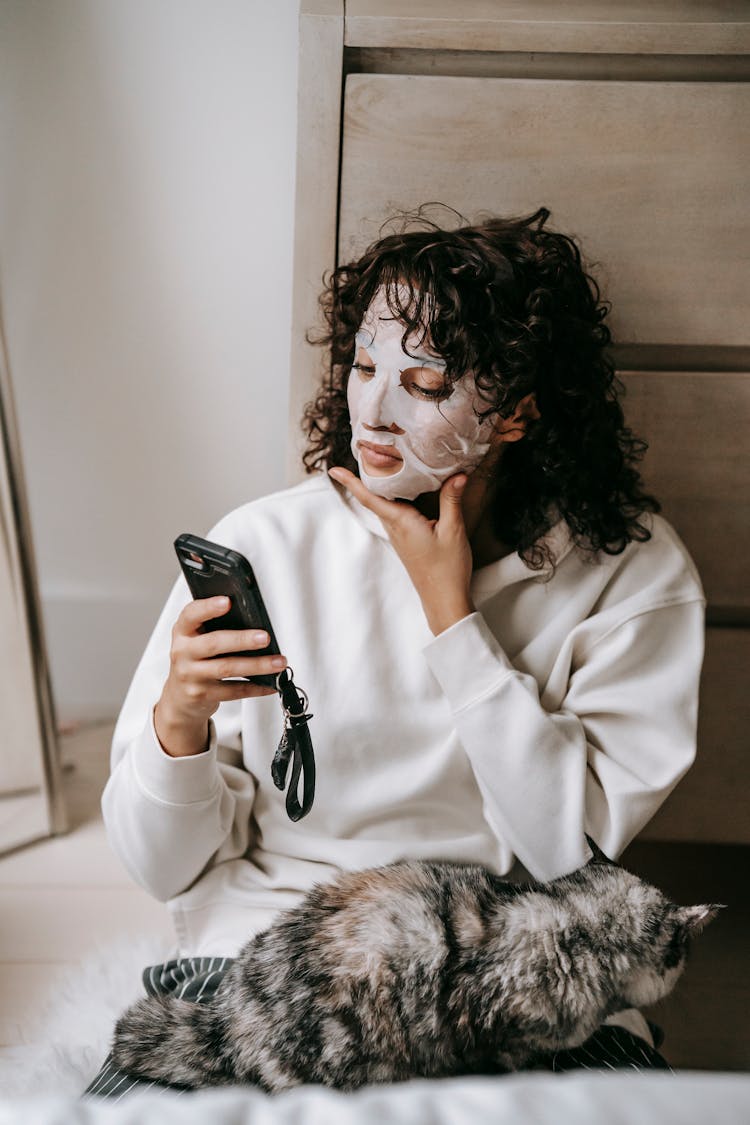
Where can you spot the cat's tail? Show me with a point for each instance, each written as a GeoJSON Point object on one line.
{"type": "Point", "coordinates": [174, 1041]}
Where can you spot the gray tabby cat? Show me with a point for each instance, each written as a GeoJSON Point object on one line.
{"type": "Point", "coordinates": [419, 969]}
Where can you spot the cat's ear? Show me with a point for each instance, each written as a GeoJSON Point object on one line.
{"type": "Point", "coordinates": [598, 855]}
{"type": "Point", "coordinates": [696, 918]}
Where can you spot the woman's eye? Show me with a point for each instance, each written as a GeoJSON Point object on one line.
{"type": "Point", "coordinates": [427, 392]}
{"type": "Point", "coordinates": [434, 391]}
{"type": "Point", "coordinates": [364, 369]}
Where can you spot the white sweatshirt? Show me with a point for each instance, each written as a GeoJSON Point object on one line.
{"type": "Point", "coordinates": [558, 708]}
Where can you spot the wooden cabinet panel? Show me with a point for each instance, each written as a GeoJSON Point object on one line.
{"type": "Point", "coordinates": [698, 466]}
{"type": "Point", "coordinates": [651, 177]}
{"type": "Point", "coordinates": [710, 804]}
{"type": "Point", "coordinates": [666, 26]}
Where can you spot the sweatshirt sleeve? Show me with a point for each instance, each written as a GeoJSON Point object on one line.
{"type": "Point", "coordinates": [168, 818]}
{"type": "Point", "coordinates": [600, 765]}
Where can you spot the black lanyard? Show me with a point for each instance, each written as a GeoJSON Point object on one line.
{"type": "Point", "coordinates": [295, 745]}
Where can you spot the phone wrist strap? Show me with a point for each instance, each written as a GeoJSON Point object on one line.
{"type": "Point", "coordinates": [295, 747]}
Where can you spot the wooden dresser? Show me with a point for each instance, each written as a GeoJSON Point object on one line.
{"type": "Point", "coordinates": [631, 123]}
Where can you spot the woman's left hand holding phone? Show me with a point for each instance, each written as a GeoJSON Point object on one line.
{"type": "Point", "coordinates": [195, 686]}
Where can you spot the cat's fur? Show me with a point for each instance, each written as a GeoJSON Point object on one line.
{"type": "Point", "coordinates": [419, 969]}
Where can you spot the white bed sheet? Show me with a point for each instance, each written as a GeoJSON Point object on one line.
{"type": "Point", "coordinates": [587, 1098]}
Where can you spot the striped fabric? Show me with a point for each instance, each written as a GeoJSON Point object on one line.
{"type": "Point", "coordinates": [190, 978]}
{"type": "Point", "coordinates": [197, 979]}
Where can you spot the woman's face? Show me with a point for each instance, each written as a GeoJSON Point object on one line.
{"type": "Point", "coordinates": [411, 427]}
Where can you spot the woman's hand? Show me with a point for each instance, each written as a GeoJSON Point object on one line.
{"type": "Point", "coordinates": [199, 662]}
{"type": "Point", "coordinates": [436, 553]}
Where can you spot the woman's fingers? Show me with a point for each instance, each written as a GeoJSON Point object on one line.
{"type": "Point", "coordinates": [451, 497]}
{"type": "Point", "coordinates": [203, 646]}
{"type": "Point", "coordinates": [227, 667]}
{"type": "Point", "coordinates": [197, 612]}
{"type": "Point", "coordinates": [224, 692]}
{"type": "Point", "coordinates": [206, 695]}
{"type": "Point", "coordinates": [209, 657]}
{"type": "Point", "coordinates": [386, 509]}
{"type": "Point", "coordinates": [206, 668]}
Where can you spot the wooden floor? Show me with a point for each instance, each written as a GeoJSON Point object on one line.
{"type": "Point", "coordinates": [62, 896]}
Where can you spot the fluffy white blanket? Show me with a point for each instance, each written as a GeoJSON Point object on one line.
{"type": "Point", "coordinates": [65, 1043]}
{"type": "Point", "coordinates": [585, 1098]}
{"type": "Point", "coordinates": [64, 1046]}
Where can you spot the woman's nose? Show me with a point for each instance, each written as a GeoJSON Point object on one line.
{"type": "Point", "coordinates": [374, 405]}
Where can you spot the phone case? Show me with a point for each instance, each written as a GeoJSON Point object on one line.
{"type": "Point", "coordinates": [211, 570]}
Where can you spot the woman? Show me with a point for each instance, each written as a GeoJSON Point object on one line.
{"type": "Point", "coordinates": [500, 638]}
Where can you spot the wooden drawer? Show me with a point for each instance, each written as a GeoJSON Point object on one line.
{"type": "Point", "coordinates": [629, 124]}
{"type": "Point", "coordinates": [649, 26]}
{"type": "Point", "coordinates": [710, 804]}
{"type": "Point", "coordinates": [649, 175]}
{"type": "Point", "coordinates": [698, 466]}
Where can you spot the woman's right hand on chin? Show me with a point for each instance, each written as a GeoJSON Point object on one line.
{"type": "Point", "coordinates": [199, 662]}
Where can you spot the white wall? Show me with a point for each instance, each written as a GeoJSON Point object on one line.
{"type": "Point", "coordinates": [146, 208]}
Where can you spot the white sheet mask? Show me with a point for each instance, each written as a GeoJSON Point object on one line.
{"type": "Point", "coordinates": [440, 437]}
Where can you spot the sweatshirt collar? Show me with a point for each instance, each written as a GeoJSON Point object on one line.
{"type": "Point", "coordinates": [487, 580]}
{"type": "Point", "coordinates": [510, 568]}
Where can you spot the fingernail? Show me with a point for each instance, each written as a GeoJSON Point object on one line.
{"type": "Point", "coordinates": [278, 662]}
{"type": "Point", "coordinates": [261, 638]}
{"type": "Point", "coordinates": [335, 473]}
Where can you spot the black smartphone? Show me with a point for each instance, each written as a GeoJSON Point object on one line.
{"type": "Point", "coordinates": [211, 571]}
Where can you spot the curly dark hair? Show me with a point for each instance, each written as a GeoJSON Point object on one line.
{"type": "Point", "coordinates": [510, 301]}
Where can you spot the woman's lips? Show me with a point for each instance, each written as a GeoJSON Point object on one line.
{"type": "Point", "coordinates": [380, 456]}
